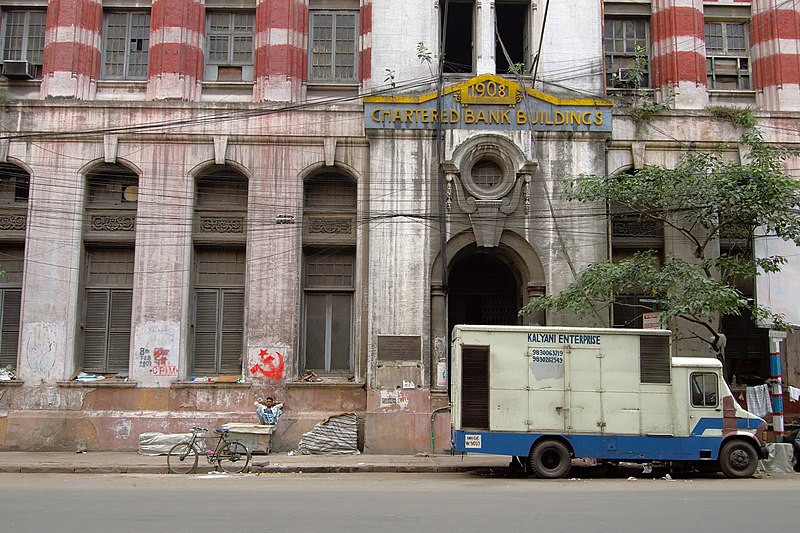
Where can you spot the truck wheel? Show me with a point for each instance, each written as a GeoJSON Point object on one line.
{"type": "Point", "coordinates": [550, 459]}
{"type": "Point", "coordinates": [738, 459]}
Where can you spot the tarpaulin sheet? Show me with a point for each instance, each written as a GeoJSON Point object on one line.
{"type": "Point", "coordinates": [161, 443]}
{"type": "Point", "coordinates": [335, 435]}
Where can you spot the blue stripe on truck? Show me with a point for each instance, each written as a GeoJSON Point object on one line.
{"type": "Point", "coordinates": [611, 447]}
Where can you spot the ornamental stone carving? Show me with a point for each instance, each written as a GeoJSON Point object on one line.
{"type": "Point", "coordinates": [12, 222]}
{"type": "Point", "coordinates": [488, 203]}
{"type": "Point", "coordinates": [221, 225]}
{"type": "Point", "coordinates": [636, 228]}
{"type": "Point", "coordinates": [113, 223]}
{"type": "Point", "coordinates": [330, 225]}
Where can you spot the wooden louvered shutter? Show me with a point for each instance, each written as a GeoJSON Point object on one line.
{"type": "Point", "coordinates": [95, 331]}
{"type": "Point", "coordinates": [119, 335]}
{"type": "Point", "coordinates": [205, 331]}
{"type": "Point", "coordinates": [232, 331]}
{"type": "Point", "coordinates": [10, 327]}
{"type": "Point", "coordinates": [475, 387]}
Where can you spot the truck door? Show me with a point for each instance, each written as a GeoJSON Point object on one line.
{"type": "Point", "coordinates": [584, 383]}
{"type": "Point", "coordinates": [703, 414]}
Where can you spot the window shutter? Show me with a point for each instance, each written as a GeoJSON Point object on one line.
{"type": "Point", "coordinates": [94, 341]}
{"type": "Point", "coordinates": [475, 387]}
{"type": "Point", "coordinates": [232, 332]}
{"type": "Point", "coordinates": [315, 319]}
{"type": "Point", "coordinates": [119, 338]}
{"type": "Point", "coordinates": [654, 359]}
{"type": "Point", "coordinates": [341, 331]}
{"type": "Point", "coordinates": [205, 331]}
{"type": "Point", "coordinates": [10, 327]}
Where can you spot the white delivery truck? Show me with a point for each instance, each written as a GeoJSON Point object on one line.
{"type": "Point", "coordinates": [551, 394]}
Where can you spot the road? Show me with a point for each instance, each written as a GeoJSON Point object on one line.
{"type": "Point", "coordinates": [388, 503]}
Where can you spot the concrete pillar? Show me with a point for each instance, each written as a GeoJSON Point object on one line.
{"type": "Point", "coordinates": [484, 37]}
{"type": "Point", "coordinates": [365, 41]}
{"type": "Point", "coordinates": [281, 60]}
{"type": "Point", "coordinates": [162, 273]}
{"type": "Point", "coordinates": [536, 317]}
{"type": "Point", "coordinates": [72, 49]}
{"type": "Point", "coordinates": [175, 70]}
{"type": "Point", "coordinates": [775, 54]}
{"type": "Point", "coordinates": [439, 337]}
{"type": "Point", "coordinates": [273, 267]}
{"type": "Point", "coordinates": [52, 271]}
{"type": "Point", "coordinates": [677, 61]}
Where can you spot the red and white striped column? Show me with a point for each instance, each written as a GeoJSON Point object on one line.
{"type": "Point", "coordinates": [365, 41]}
{"type": "Point", "coordinates": [677, 60]}
{"type": "Point", "coordinates": [71, 63]}
{"type": "Point", "coordinates": [281, 53]}
{"type": "Point", "coordinates": [175, 65]}
{"type": "Point", "coordinates": [775, 54]}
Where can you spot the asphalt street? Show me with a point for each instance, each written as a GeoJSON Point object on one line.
{"type": "Point", "coordinates": [391, 502]}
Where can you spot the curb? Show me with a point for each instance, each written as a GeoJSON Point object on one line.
{"type": "Point", "coordinates": [254, 469]}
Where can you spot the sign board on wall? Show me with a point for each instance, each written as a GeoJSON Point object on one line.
{"type": "Point", "coordinates": [399, 347]}
{"type": "Point", "coordinates": [488, 102]}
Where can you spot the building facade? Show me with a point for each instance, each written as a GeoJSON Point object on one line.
{"type": "Point", "coordinates": [208, 202]}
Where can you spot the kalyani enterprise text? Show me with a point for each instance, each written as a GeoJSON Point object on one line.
{"type": "Point", "coordinates": [563, 338]}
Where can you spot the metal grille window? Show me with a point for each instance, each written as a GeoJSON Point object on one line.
{"type": "Point", "coordinates": [23, 39]}
{"type": "Point", "coordinates": [114, 187]}
{"type": "Point", "coordinates": [487, 175]}
{"type": "Point", "coordinates": [621, 37]}
{"type": "Point", "coordinates": [727, 60]}
{"type": "Point", "coordinates": [328, 318]}
{"type": "Point", "coordinates": [218, 324]}
{"type": "Point", "coordinates": [334, 46]}
{"type": "Point", "coordinates": [14, 186]}
{"type": "Point", "coordinates": [11, 261]}
{"type": "Point", "coordinates": [230, 38]}
{"type": "Point", "coordinates": [107, 312]}
{"type": "Point", "coordinates": [331, 193]}
{"type": "Point", "coordinates": [126, 45]}
{"type": "Point", "coordinates": [222, 190]}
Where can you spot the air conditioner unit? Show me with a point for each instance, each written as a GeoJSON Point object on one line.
{"type": "Point", "coordinates": [17, 69]}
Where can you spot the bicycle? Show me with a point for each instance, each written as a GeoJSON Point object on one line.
{"type": "Point", "coordinates": [230, 456]}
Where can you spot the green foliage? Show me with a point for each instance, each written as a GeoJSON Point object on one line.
{"type": "Point", "coordinates": [423, 54]}
{"type": "Point", "coordinates": [704, 197]}
{"type": "Point", "coordinates": [741, 117]}
{"type": "Point", "coordinates": [637, 100]}
{"type": "Point", "coordinates": [389, 77]}
{"type": "Point", "coordinates": [516, 69]}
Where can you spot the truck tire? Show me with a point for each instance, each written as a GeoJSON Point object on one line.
{"type": "Point", "coordinates": [550, 459]}
{"type": "Point", "coordinates": [738, 458]}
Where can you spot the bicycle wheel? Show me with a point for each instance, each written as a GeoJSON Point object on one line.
{"type": "Point", "coordinates": [182, 458]}
{"type": "Point", "coordinates": [233, 458]}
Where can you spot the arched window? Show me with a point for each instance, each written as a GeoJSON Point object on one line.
{"type": "Point", "coordinates": [329, 252]}
{"type": "Point", "coordinates": [14, 185]}
{"type": "Point", "coordinates": [112, 194]}
{"type": "Point", "coordinates": [219, 269]}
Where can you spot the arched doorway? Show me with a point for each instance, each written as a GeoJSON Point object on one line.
{"type": "Point", "coordinates": [483, 289]}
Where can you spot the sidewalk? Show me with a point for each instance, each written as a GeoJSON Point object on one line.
{"type": "Point", "coordinates": [134, 463]}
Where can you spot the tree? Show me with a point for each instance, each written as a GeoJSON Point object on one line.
{"type": "Point", "coordinates": [702, 198]}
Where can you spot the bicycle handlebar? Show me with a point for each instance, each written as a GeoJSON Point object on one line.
{"type": "Point", "coordinates": [198, 428]}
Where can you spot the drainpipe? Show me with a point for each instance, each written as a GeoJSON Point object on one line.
{"type": "Point", "coordinates": [433, 417]}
